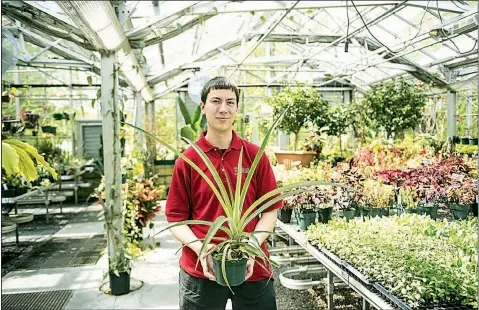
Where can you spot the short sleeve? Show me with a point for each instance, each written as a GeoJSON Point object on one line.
{"type": "Point", "coordinates": [266, 182]}
{"type": "Point", "coordinates": [178, 201]}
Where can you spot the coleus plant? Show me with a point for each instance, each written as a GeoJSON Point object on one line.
{"type": "Point", "coordinates": [239, 243]}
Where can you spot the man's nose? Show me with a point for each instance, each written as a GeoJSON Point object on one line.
{"type": "Point", "coordinates": [223, 107]}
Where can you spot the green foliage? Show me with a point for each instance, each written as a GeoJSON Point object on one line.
{"type": "Point", "coordinates": [305, 106]}
{"type": "Point", "coordinates": [339, 119]}
{"type": "Point", "coordinates": [395, 106]}
{"type": "Point", "coordinates": [420, 260]}
{"type": "Point", "coordinates": [17, 159]}
{"type": "Point", "coordinates": [195, 123]}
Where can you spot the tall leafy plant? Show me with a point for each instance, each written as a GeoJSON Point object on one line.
{"type": "Point", "coordinates": [195, 123]}
{"type": "Point", "coordinates": [239, 243]}
{"type": "Point", "coordinates": [395, 106]}
{"type": "Point", "coordinates": [305, 106]}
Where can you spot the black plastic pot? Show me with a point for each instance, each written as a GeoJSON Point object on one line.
{"type": "Point", "coordinates": [57, 116]}
{"type": "Point", "coordinates": [464, 140]}
{"type": "Point", "coordinates": [430, 210]}
{"type": "Point", "coordinates": [384, 212]}
{"type": "Point", "coordinates": [235, 271]}
{"type": "Point", "coordinates": [284, 215]}
{"type": "Point", "coordinates": [411, 211]}
{"type": "Point", "coordinates": [349, 214]}
{"type": "Point", "coordinates": [473, 141]}
{"type": "Point", "coordinates": [8, 193]}
{"type": "Point", "coordinates": [456, 140]}
{"type": "Point", "coordinates": [474, 209]}
{"type": "Point", "coordinates": [305, 219]}
{"type": "Point", "coordinates": [120, 285]}
{"type": "Point", "coordinates": [459, 212]}
{"type": "Point", "coordinates": [366, 212]}
{"type": "Point", "coordinates": [325, 214]}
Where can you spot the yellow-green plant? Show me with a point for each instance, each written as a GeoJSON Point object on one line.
{"type": "Point", "coordinates": [239, 244]}
{"type": "Point", "coordinates": [377, 194]}
{"type": "Point", "coordinates": [17, 159]}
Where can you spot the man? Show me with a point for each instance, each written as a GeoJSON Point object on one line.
{"type": "Point", "coordinates": [190, 197]}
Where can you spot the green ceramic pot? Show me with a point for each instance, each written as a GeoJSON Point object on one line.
{"type": "Point", "coordinates": [305, 219]}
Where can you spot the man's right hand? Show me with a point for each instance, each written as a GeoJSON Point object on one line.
{"type": "Point", "coordinates": [206, 260]}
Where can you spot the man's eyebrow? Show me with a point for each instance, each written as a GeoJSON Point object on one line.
{"type": "Point", "coordinates": [220, 98]}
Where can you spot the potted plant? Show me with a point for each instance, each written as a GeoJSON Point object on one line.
{"type": "Point", "coordinates": [230, 254]}
{"type": "Point", "coordinates": [460, 196]}
{"type": "Point", "coordinates": [431, 198]}
{"type": "Point", "coordinates": [377, 196]}
{"type": "Point", "coordinates": [410, 197]}
{"type": "Point", "coordinates": [344, 204]}
{"type": "Point", "coordinates": [305, 107]}
{"type": "Point", "coordinates": [305, 212]}
{"type": "Point", "coordinates": [473, 141]}
{"type": "Point", "coordinates": [284, 214]}
{"type": "Point", "coordinates": [119, 269]}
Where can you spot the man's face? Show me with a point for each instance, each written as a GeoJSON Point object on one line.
{"type": "Point", "coordinates": [220, 109]}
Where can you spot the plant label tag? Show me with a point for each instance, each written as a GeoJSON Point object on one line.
{"type": "Point", "coordinates": [458, 177]}
{"type": "Point", "coordinates": [5, 187]}
{"type": "Point", "coordinates": [474, 181]}
{"type": "Point", "coordinates": [425, 161]}
{"type": "Point", "coordinates": [456, 185]}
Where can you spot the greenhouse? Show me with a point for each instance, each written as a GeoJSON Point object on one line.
{"type": "Point", "coordinates": [240, 155]}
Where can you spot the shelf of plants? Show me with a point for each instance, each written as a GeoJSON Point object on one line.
{"type": "Point", "coordinates": [403, 235]}
{"type": "Point", "coordinates": [419, 262]}
{"type": "Point", "coordinates": [369, 295]}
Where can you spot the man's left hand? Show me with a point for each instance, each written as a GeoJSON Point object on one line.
{"type": "Point", "coordinates": [249, 268]}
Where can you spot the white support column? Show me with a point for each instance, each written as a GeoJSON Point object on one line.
{"type": "Point", "coordinates": [469, 114]}
{"type": "Point", "coordinates": [150, 143]}
{"type": "Point", "coordinates": [70, 94]}
{"type": "Point", "coordinates": [111, 154]}
{"type": "Point", "coordinates": [139, 118]}
{"type": "Point", "coordinates": [451, 114]}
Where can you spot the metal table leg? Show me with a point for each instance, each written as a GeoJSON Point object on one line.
{"type": "Point", "coordinates": [330, 290]}
{"type": "Point", "coordinates": [273, 239]}
{"type": "Point", "coordinates": [47, 202]}
{"type": "Point", "coordinates": [17, 239]}
{"type": "Point", "coordinates": [365, 304]}
{"type": "Point", "coordinates": [76, 190]}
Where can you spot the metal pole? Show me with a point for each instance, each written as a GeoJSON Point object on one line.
{"type": "Point", "coordinates": [18, 106]}
{"type": "Point", "coordinates": [330, 290]}
{"type": "Point", "coordinates": [365, 304]}
{"type": "Point", "coordinates": [469, 112]}
{"type": "Point", "coordinates": [111, 154]}
{"type": "Point", "coordinates": [139, 118]}
{"type": "Point", "coordinates": [70, 91]}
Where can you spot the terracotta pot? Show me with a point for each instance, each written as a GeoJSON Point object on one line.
{"type": "Point", "coordinates": [287, 158]}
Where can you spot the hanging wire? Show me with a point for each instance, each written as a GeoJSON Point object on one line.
{"type": "Point", "coordinates": [447, 37]}
{"type": "Point", "coordinates": [410, 41]}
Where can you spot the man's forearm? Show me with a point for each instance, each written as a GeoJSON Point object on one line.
{"type": "Point", "coordinates": [185, 235]}
{"type": "Point", "coordinates": [267, 222]}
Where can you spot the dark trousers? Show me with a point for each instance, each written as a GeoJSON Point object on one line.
{"type": "Point", "coordinates": [198, 293]}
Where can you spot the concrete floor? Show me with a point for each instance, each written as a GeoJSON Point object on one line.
{"type": "Point", "coordinates": [157, 269]}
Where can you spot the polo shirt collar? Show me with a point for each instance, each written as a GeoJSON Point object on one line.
{"type": "Point", "coordinates": [206, 146]}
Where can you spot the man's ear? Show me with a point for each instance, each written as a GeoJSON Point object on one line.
{"type": "Point", "coordinates": [202, 105]}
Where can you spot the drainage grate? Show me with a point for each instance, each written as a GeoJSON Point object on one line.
{"type": "Point", "coordinates": [66, 252]}
{"type": "Point", "coordinates": [50, 300]}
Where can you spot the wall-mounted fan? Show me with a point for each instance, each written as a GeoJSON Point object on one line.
{"type": "Point", "coordinates": [9, 50]}
{"type": "Point", "coordinates": [196, 84]}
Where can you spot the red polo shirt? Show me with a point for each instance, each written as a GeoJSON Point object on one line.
{"type": "Point", "coordinates": [190, 197]}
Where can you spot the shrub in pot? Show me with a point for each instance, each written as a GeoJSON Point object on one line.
{"type": "Point", "coordinates": [230, 253]}
{"type": "Point", "coordinates": [284, 214]}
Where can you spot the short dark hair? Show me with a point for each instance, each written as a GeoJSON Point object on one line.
{"type": "Point", "coordinates": [219, 82]}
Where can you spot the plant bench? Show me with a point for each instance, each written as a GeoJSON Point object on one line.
{"type": "Point", "coordinates": [10, 223]}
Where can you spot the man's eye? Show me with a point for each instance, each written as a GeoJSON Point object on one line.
{"type": "Point", "coordinates": [231, 103]}
{"type": "Point", "coordinates": [215, 101]}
